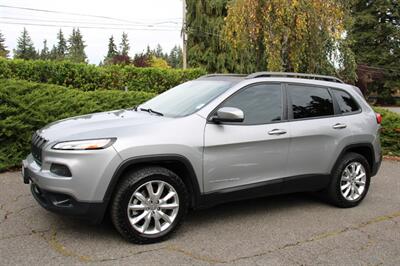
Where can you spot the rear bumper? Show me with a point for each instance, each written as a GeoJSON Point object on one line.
{"type": "Point", "coordinates": [375, 167]}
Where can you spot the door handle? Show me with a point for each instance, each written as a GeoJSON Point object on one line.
{"type": "Point", "coordinates": [339, 126]}
{"type": "Point", "coordinates": [277, 132]}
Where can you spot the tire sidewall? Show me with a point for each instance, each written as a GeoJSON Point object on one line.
{"type": "Point", "coordinates": [127, 194]}
{"type": "Point", "coordinates": [350, 158]}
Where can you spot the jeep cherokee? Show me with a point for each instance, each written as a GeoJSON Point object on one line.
{"type": "Point", "coordinates": [211, 140]}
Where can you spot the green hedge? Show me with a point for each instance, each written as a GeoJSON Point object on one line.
{"type": "Point", "coordinates": [390, 133]}
{"type": "Point", "coordinates": [90, 77]}
{"type": "Point", "coordinates": [27, 106]}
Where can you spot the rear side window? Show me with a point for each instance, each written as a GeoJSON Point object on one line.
{"type": "Point", "coordinates": [310, 101]}
{"type": "Point", "coordinates": [261, 104]}
{"type": "Point", "coordinates": [346, 103]}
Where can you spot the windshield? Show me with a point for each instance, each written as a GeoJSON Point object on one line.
{"type": "Point", "coordinates": [186, 98]}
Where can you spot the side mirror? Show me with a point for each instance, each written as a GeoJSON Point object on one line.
{"type": "Point", "coordinates": [228, 114]}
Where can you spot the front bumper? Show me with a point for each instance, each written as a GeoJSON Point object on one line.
{"type": "Point", "coordinates": [82, 193]}
{"type": "Point", "coordinates": [64, 204]}
{"type": "Point", "coordinates": [91, 172]}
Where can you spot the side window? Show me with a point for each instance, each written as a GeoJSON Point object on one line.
{"type": "Point", "coordinates": [260, 103]}
{"type": "Point", "coordinates": [310, 101]}
{"type": "Point", "coordinates": [345, 101]}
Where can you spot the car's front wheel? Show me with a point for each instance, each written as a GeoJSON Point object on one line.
{"type": "Point", "coordinates": [149, 205]}
{"type": "Point", "coordinates": [350, 181]}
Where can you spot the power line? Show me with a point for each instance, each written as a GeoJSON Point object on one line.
{"type": "Point", "coordinates": [93, 23]}
{"type": "Point", "coordinates": [148, 27]}
{"type": "Point", "coordinates": [90, 27]}
{"type": "Point", "coordinates": [75, 14]}
{"type": "Point", "coordinates": [94, 16]}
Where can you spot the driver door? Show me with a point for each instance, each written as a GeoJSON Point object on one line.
{"type": "Point", "coordinates": [249, 152]}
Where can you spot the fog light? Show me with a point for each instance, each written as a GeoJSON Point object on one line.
{"type": "Point", "coordinates": [60, 169]}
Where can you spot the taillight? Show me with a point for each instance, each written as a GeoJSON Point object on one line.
{"type": "Point", "coordinates": [378, 118]}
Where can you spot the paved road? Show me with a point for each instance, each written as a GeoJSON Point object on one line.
{"type": "Point", "coordinates": [286, 230]}
{"type": "Point", "coordinates": [394, 109]}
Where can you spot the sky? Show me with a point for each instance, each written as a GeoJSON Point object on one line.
{"type": "Point", "coordinates": [147, 22]}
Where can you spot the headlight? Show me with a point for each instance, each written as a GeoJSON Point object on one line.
{"type": "Point", "coordinates": [89, 144]}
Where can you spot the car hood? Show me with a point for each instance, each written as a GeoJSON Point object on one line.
{"type": "Point", "coordinates": [98, 125]}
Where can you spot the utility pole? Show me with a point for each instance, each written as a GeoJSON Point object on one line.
{"type": "Point", "coordinates": [184, 44]}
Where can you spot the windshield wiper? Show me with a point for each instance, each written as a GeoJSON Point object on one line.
{"type": "Point", "coordinates": [151, 111]}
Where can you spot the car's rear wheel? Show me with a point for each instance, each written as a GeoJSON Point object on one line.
{"type": "Point", "coordinates": [350, 181]}
{"type": "Point", "coordinates": [149, 205]}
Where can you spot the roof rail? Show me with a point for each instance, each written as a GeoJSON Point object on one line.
{"type": "Point", "coordinates": [293, 75]}
{"type": "Point", "coordinates": [223, 75]}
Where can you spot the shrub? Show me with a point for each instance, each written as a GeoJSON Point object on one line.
{"type": "Point", "coordinates": [90, 77]}
{"type": "Point", "coordinates": [390, 133]}
{"type": "Point", "coordinates": [158, 62]}
{"type": "Point", "coordinates": [27, 106]}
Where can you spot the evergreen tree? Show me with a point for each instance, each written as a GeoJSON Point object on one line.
{"type": "Point", "coordinates": [3, 48]}
{"type": "Point", "coordinates": [25, 48]}
{"type": "Point", "coordinates": [61, 47]}
{"type": "Point", "coordinates": [175, 57]}
{"type": "Point", "coordinates": [112, 51]}
{"type": "Point", "coordinates": [76, 48]}
{"type": "Point", "coordinates": [45, 53]}
{"type": "Point", "coordinates": [206, 47]}
{"type": "Point", "coordinates": [149, 51]}
{"type": "Point", "coordinates": [376, 43]}
{"type": "Point", "coordinates": [124, 45]}
{"type": "Point", "coordinates": [53, 53]}
{"type": "Point", "coordinates": [159, 51]}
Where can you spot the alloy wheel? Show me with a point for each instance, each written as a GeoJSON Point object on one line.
{"type": "Point", "coordinates": [353, 181]}
{"type": "Point", "coordinates": [153, 207]}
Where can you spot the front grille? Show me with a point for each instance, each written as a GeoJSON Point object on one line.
{"type": "Point", "coordinates": [37, 144]}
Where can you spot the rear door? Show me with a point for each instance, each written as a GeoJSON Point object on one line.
{"type": "Point", "coordinates": [252, 151]}
{"type": "Point", "coordinates": [317, 129]}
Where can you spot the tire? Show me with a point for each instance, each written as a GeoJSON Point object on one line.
{"type": "Point", "coordinates": [131, 224]}
{"type": "Point", "coordinates": [337, 189]}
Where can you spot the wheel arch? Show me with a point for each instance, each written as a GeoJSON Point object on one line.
{"type": "Point", "coordinates": [364, 149]}
{"type": "Point", "coordinates": [178, 164]}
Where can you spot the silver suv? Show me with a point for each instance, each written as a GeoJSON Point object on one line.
{"type": "Point", "coordinates": [211, 140]}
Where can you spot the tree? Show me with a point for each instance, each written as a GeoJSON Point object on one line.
{"type": "Point", "coordinates": [112, 51]}
{"type": "Point", "coordinates": [206, 47]}
{"type": "Point", "coordinates": [76, 48]}
{"type": "Point", "coordinates": [142, 60]}
{"type": "Point", "coordinates": [124, 45]}
{"type": "Point", "coordinates": [296, 36]}
{"type": "Point", "coordinates": [44, 53]}
{"type": "Point", "coordinates": [53, 53]}
{"type": "Point", "coordinates": [175, 57]}
{"type": "Point", "coordinates": [149, 51]}
{"type": "Point", "coordinates": [3, 48]}
{"type": "Point", "coordinates": [375, 38]}
{"type": "Point", "coordinates": [61, 47]}
{"type": "Point", "coordinates": [158, 62]}
{"type": "Point", "coordinates": [25, 49]}
{"type": "Point", "coordinates": [158, 52]}
{"type": "Point", "coordinates": [120, 60]}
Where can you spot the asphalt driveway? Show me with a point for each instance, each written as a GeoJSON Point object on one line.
{"type": "Point", "coordinates": [294, 229]}
{"type": "Point", "coordinates": [394, 109]}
